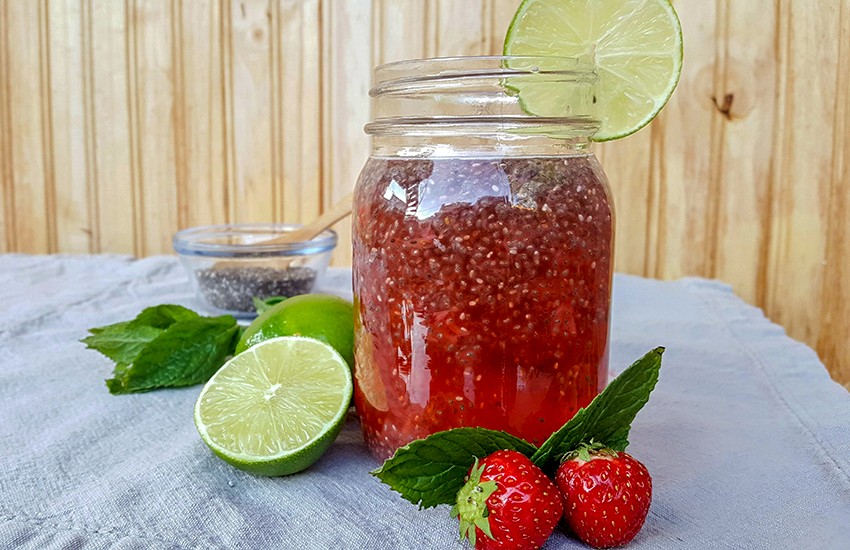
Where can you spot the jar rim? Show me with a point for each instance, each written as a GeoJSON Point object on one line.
{"type": "Point", "coordinates": [484, 96]}
{"type": "Point", "coordinates": [389, 77]}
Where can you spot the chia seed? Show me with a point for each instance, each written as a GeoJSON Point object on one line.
{"type": "Point", "coordinates": [233, 288]}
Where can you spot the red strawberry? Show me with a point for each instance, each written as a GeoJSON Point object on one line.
{"type": "Point", "coordinates": [508, 503]}
{"type": "Point", "coordinates": [606, 495]}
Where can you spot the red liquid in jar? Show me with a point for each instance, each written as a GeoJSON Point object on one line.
{"type": "Point", "coordinates": [482, 292]}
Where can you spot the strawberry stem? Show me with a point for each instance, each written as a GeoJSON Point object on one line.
{"type": "Point", "coordinates": [471, 508]}
{"type": "Point", "coordinates": [587, 450]}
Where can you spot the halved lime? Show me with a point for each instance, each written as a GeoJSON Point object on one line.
{"type": "Point", "coordinates": [636, 46]}
{"type": "Point", "coordinates": [275, 408]}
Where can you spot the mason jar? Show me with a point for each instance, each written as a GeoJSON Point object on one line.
{"type": "Point", "coordinates": [483, 240]}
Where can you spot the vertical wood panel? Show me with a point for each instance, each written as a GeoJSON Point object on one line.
{"type": "Point", "coordinates": [833, 343]}
{"type": "Point", "coordinates": [400, 30]}
{"type": "Point", "coordinates": [121, 122]}
{"type": "Point", "coordinates": [627, 164]}
{"type": "Point", "coordinates": [89, 123]}
{"type": "Point", "coordinates": [249, 88]}
{"type": "Point", "coordinates": [24, 31]}
{"type": "Point", "coordinates": [346, 76]}
{"type": "Point", "coordinates": [809, 52]}
{"type": "Point", "coordinates": [179, 115]}
{"type": "Point", "coordinates": [461, 27]}
{"type": "Point", "coordinates": [276, 84]}
{"type": "Point", "coordinates": [746, 91]}
{"type": "Point", "coordinates": [70, 140]}
{"type": "Point", "coordinates": [7, 185]}
{"type": "Point", "coordinates": [47, 151]}
{"type": "Point", "coordinates": [227, 108]}
{"type": "Point", "coordinates": [108, 108]}
{"type": "Point", "coordinates": [199, 125]}
{"type": "Point", "coordinates": [155, 116]}
{"type": "Point", "coordinates": [501, 15]}
{"type": "Point", "coordinates": [298, 132]}
{"type": "Point", "coordinates": [680, 209]}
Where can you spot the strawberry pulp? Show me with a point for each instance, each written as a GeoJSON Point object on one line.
{"type": "Point", "coordinates": [482, 293]}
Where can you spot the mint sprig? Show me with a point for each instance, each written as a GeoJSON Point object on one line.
{"type": "Point", "coordinates": [123, 342]}
{"type": "Point", "coordinates": [188, 353]}
{"type": "Point", "coordinates": [609, 416]}
{"type": "Point", "coordinates": [164, 346]}
{"type": "Point", "coordinates": [431, 471]}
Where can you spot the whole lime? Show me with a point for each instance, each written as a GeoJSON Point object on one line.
{"type": "Point", "coordinates": [327, 318]}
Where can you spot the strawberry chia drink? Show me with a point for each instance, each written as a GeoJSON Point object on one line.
{"type": "Point", "coordinates": [482, 266]}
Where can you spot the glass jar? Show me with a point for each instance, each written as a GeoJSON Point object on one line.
{"type": "Point", "coordinates": [482, 251]}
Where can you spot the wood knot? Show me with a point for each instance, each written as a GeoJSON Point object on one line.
{"type": "Point", "coordinates": [734, 92]}
{"type": "Point", "coordinates": [725, 108]}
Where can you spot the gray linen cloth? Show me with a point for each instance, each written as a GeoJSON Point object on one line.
{"type": "Point", "coordinates": [746, 437]}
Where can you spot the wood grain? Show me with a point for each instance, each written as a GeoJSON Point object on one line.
{"type": "Point", "coordinates": [108, 84]}
{"type": "Point", "coordinates": [69, 146]}
{"type": "Point", "coordinates": [28, 146]}
{"type": "Point", "coordinates": [398, 30]}
{"type": "Point", "coordinates": [460, 27]}
{"type": "Point", "coordinates": [833, 343]}
{"type": "Point", "coordinates": [298, 133]}
{"type": "Point", "coordinates": [7, 182]}
{"type": "Point", "coordinates": [122, 122]}
{"type": "Point", "coordinates": [346, 77]}
{"type": "Point", "coordinates": [743, 99]}
{"type": "Point", "coordinates": [808, 39]}
{"type": "Point", "coordinates": [250, 94]}
{"type": "Point", "coordinates": [198, 115]}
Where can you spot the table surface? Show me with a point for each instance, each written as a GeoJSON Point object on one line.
{"type": "Point", "coordinates": [746, 437]}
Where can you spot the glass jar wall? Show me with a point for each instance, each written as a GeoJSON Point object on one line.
{"type": "Point", "coordinates": [482, 252]}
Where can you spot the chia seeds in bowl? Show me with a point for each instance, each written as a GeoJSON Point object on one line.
{"type": "Point", "coordinates": [233, 288]}
{"type": "Point", "coordinates": [229, 265]}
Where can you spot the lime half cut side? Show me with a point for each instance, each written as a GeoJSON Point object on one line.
{"type": "Point", "coordinates": [275, 408]}
{"type": "Point", "coordinates": [636, 46]}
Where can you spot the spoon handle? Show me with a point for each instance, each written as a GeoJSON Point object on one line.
{"type": "Point", "coordinates": [309, 231]}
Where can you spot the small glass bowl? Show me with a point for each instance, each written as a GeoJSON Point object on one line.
{"type": "Point", "coordinates": [229, 265]}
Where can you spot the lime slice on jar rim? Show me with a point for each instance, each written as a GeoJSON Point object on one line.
{"type": "Point", "coordinates": [275, 408]}
{"type": "Point", "coordinates": [635, 45]}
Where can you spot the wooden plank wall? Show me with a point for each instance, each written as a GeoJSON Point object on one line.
{"type": "Point", "coordinates": [124, 121]}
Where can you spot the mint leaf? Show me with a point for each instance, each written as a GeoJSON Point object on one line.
{"type": "Point", "coordinates": [163, 316]}
{"type": "Point", "coordinates": [114, 386]}
{"type": "Point", "coordinates": [120, 369]}
{"type": "Point", "coordinates": [609, 416]}
{"type": "Point", "coordinates": [261, 305]}
{"type": "Point", "coordinates": [121, 343]}
{"type": "Point", "coordinates": [160, 317]}
{"type": "Point", "coordinates": [431, 471]}
{"type": "Point", "coordinates": [164, 346]}
{"type": "Point", "coordinates": [99, 330]}
{"type": "Point", "coordinates": [188, 353]}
